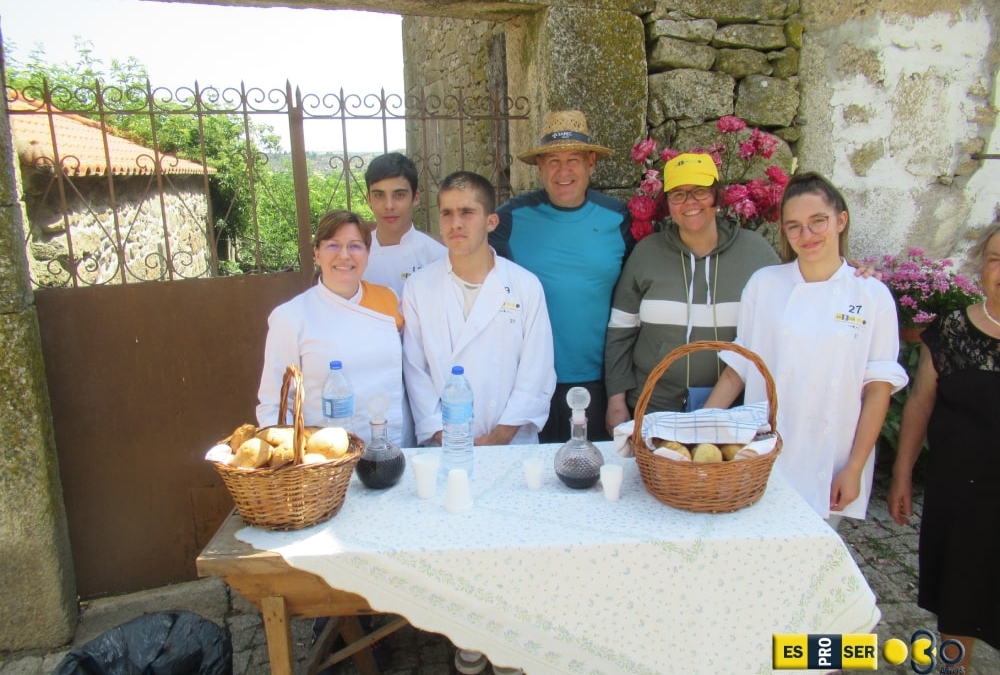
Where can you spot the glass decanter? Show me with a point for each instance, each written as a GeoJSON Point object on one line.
{"type": "Point", "coordinates": [578, 462]}
{"type": "Point", "coordinates": [382, 463]}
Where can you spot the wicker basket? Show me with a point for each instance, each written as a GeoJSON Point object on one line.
{"type": "Point", "coordinates": [294, 496]}
{"type": "Point", "coordinates": [710, 487]}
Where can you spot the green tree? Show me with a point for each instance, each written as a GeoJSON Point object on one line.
{"type": "Point", "coordinates": [133, 109]}
{"type": "Point", "coordinates": [276, 210]}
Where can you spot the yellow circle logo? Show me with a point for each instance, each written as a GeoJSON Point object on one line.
{"type": "Point", "coordinates": [894, 651]}
{"type": "Point", "coordinates": [923, 652]}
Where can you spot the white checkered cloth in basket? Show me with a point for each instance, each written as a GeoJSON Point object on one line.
{"type": "Point", "coordinates": [708, 425]}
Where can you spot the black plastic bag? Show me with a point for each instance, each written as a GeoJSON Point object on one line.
{"type": "Point", "coordinates": [161, 643]}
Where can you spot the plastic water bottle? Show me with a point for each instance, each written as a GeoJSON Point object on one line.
{"type": "Point", "coordinates": [456, 418]}
{"type": "Point", "coordinates": [338, 398]}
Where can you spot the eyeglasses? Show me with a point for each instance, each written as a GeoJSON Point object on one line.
{"type": "Point", "coordinates": [816, 225]}
{"type": "Point", "coordinates": [680, 196]}
{"type": "Point", "coordinates": [353, 248]}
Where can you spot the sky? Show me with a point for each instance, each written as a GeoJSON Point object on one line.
{"type": "Point", "coordinates": [318, 51]}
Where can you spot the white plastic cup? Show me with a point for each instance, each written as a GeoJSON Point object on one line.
{"type": "Point", "coordinates": [611, 481]}
{"type": "Point", "coordinates": [533, 468]}
{"type": "Point", "coordinates": [458, 494]}
{"type": "Point", "coordinates": [425, 466]}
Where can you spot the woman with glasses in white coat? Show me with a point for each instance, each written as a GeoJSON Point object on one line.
{"type": "Point", "coordinates": [340, 318]}
{"type": "Point", "coordinates": [830, 339]}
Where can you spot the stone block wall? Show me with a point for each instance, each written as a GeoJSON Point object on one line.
{"type": "Point", "coordinates": [94, 232]}
{"type": "Point", "coordinates": [461, 65]}
{"type": "Point", "coordinates": [710, 58]}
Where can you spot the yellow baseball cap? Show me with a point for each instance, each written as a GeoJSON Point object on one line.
{"type": "Point", "coordinates": [689, 169]}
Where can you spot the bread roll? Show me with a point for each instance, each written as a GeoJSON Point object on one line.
{"type": "Point", "coordinates": [244, 433]}
{"type": "Point", "coordinates": [331, 442]}
{"type": "Point", "coordinates": [282, 454]}
{"type": "Point", "coordinates": [679, 448]}
{"type": "Point", "coordinates": [706, 453]}
{"type": "Point", "coordinates": [277, 435]}
{"type": "Point", "coordinates": [729, 450]}
{"type": "Point", "coordinates": [253, 454]}
{"type": "Point", "coordinates": [314, 458]}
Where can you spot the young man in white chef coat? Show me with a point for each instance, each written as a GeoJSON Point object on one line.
{"type": "Point", "coordinates": [475, 309]}
{"type": "Point", "coordinates": [398, 248]}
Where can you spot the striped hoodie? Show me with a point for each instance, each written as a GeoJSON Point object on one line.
{"type": "Point", "coordinates": [666, 297]}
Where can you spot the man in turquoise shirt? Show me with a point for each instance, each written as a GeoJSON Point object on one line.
{"type": "Point", "coordinates": [575, 241]}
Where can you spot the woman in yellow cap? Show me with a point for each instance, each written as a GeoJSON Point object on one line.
{"type": "Point", "coordinates": [679, 285]}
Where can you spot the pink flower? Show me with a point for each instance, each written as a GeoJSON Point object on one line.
{"type": "Point", "coordinates": [924, 288]}
{"type": "Point", "coordinates": [730, 124]}
{"type": "Point", "coordinates": [764, 145]}
{"type": "Point", "coordinates": [642, 207]}
{"type": "Point", "coordinates": [642, 150]}
{"type": "Point", "coordinates": [651, 185]}
{"type": "Point", "coordinates": [749, 200]}
{"type": "Point", "coordinates": [777, 176]}
{"type": "Point", "coordinates": [736, 192]}
{"type": "Point", "coordinates": [668, 154]}
{"type": "Point", "coordinates": [641, 229]}
{"type": "Point", "coordinates": [662, 207]}
{"type": "Point", "coordinates": [745, 209]}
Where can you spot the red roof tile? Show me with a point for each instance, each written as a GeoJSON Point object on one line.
{"type": "Point", "coordinates": [81, 148]}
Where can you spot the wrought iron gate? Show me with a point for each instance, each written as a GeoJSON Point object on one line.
{"type": "Point", "coordinates": [143, 376]}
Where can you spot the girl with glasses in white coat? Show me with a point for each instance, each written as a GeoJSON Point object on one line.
{"type": "Point", "coordinates": [830, 340]}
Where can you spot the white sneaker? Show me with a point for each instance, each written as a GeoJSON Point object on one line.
{"type": "Point", "coordinates": [469, 662]}
{"type": "Point", "coordinates": [500, 670]}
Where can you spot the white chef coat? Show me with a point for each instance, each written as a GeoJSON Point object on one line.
{"type": "Point", "coordinates": [822, 342]}
{"type": "Point", "coordinates": [391, 265]}
{"type": "Point", "coordinates": [319, 326]}
{"type": "Point", "coordinates": [505, 347]}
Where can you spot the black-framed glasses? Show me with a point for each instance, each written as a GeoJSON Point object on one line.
{"type": "Point", "coordinates": [680, 196]}
{"type": "Point", "coordinates": [816, 225]}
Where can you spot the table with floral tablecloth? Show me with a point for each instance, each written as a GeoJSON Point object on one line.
{"type": "Point", "coordinates": [563, 581]}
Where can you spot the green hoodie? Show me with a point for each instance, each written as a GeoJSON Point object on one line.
{"type": "Point", "coordinates": [650, 314]}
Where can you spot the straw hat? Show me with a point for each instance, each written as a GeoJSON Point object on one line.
{"type": "Point", "coordinates": [564, 130]}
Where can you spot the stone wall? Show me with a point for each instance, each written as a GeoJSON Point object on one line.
{"type": "Point", "coordinates": [94, 231]}
{"type": "Point", "coordinates": [462, 74]}
{"type": "Point", "coordinates": [897, 95]}
{"type": "Point", "coordinates": [36, 576]}
{"type": "Point", "coordinates": [889, 98]}
{"type": "Point", "coordinates": [711, 58]}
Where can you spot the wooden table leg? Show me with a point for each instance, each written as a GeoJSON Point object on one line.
{"type": "Point", "coordinates": [358, 649]}
{"type": "Point", "coordinates": [278, 630]}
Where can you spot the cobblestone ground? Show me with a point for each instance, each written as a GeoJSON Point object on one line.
{"type": "Point", "coordinates": [887, 555]}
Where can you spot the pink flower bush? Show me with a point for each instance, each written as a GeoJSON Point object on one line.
{"type": "Point", "coordinates": [642, 150]}
{"type": "Point", "coordinates": [924, 288]}
{"type": "Point", "coordinates": [751, 201]}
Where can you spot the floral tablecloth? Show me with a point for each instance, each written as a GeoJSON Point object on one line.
{"type": "Point", "coordinates": [563, 581]}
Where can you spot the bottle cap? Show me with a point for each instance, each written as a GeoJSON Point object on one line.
{"type": "Point", "coordinates": [457, 370]}
{"type": "Point", "coordinates": [335, 365]}
{"type": "Point", "coordinates": [578, 398]}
